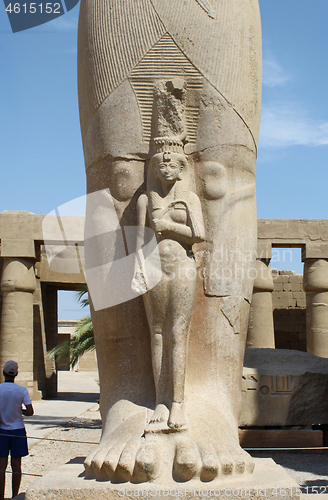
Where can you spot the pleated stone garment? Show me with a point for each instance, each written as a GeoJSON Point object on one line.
{"type": "Point", "coordinates": [220, 38]}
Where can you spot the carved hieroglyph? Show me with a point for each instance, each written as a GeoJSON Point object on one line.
{"type": "Point", "coordinates": [170, 103]}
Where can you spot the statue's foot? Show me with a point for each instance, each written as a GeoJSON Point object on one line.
{"type": "Point", "coordinates": [161, 414]}
{"type": "Point", "coordinates": [130, 453]}
{"type": "Point", "coordinates": [158, 421]}
{"type": "Point", "coordinates": [177, 419]}
{"type": "Point", "coordinates": [204, 460]}
{"type": "Point", "coordinates": [211, 453]}
{"type": "Point", "coordinates": [121, 451]}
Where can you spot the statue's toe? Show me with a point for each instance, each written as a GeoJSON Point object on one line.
{"type": "Point", "coordinates": [226, 463]}
{"type": "Point", "coordinates": [97, 462]}
{"type": "Point", "coordinates": [125, 467]}
{"type": "Point", "coordinates": [112, 459]}
{"type": "Point", "coordinates": [234, 460]}
{"type": "Point", "coordinates": [187, 461]}
{"type": "Point", "coordinates": [210, 464]}
{"type": "Point", "coordinates": [87, 465]}
{"type": "Point", "coordinates": [147, 466]}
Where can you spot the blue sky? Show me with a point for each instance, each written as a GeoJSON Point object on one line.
{"type": "Point", "coordinates": [42, 163]}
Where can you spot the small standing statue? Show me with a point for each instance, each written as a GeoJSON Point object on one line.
{"type": "Point", "coordinates": [174, 213]}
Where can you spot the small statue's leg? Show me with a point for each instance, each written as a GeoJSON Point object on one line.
{"type": "Point", "coordinates": [179, 339]}
{"type": "Point", "coordinates": [158, 349]}
{"type": "Point", "coordinates": [179, 344]}
{"type": "Point", "coordinates": [182, 301]}
{"type": "Point", "coordinates": [156, 305]}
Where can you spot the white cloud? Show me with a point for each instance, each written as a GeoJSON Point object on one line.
{"type": "Point", "coordinates": [65, 23]}
{"type": "Point", "coordinates": [286, 124]}
{"type": "Point", "coordinates": [273, 74]}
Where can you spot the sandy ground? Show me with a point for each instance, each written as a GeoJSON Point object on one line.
{"type": "Point", "coordinates": [61, 429]}
{"type": "Point", "coordinates": [62, 442]}
{"type": "Point", "coordinates": [72, 440]}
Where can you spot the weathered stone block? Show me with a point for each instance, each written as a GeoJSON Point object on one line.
{"type": "Point", "coordinates": [253, 438]}
{"type": "Point", "coordinates": [315, 250]}
{"type": "Point", "coordinates": [288, 388]}
{"type": "Point", "coordinates": [17, 248]}
{"type": "Point", "coordinates": [269, 481]}
{"type": "Point", "coordinates": [323, 225]}
{"type": "Point", "coordinates": [296, 278]}
{"type": "Point", "coordinates": [264, 249]}
{"type": "Point", "coordinates": [287, 296]}
{"type": "Point", "coordinates": [309, 228]}
{"type": "Point", "coordinates": [277, 286]}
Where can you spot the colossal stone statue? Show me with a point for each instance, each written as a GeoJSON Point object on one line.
{"type": "Point", "coordinates": [169, 95]}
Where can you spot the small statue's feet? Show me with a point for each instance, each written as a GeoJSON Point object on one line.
{"type": "Point", "coordinates": [158, 421]}
{"type": "Point", "coordinates": [161, 414]}
{"type": "Point", "coordinates": [177, 419]}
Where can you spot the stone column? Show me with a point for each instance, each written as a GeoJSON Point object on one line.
{"type": "Point", "coordinates": [16, 340]}
{"type": "Point", "coordinates": [260, 329]}
{"type": "Point", "coordinates": [315, 283]}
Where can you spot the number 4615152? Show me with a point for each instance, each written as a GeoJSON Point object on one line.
{"type": "Point", "coordinates": [33, 8]}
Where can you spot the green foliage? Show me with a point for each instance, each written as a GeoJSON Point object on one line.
{"type": "Point", "coordinates": [83, 297]}
{"type": "Point", "coordinates": [83, 340]}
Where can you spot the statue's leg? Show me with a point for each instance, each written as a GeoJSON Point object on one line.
{"type": "Point", "coordinates": [223, 152]}
{"type": "Point", "coordinates": [169, 307]}
{"type": "Point", "coordinates": [156, 302]}
{"type": "Point", "coordinates": [225, 178]}
{"type": "Point", "coordinates": [121, 331]}
{"type": "Point", "coordinates": [182, 296]}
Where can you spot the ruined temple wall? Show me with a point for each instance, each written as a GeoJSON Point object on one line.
{"type": "Point", "coordinates": [1, 265]}
{"type": "Point", "coordinates": [87, 362]}
{"type": "Point", "coordinates": [19, 229]}
{"type": "Point", "coordinates": [289, 310]}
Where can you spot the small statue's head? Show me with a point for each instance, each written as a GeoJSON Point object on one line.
{"type": "Point", "coordinates": [169, 166]}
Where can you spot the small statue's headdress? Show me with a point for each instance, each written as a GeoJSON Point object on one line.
{"type": "Point", "coordinates": [170, 96]}
{"type": "Point", "coordinates": [170, 134]}
{"type": "Point", "coordinates": [168, 144]}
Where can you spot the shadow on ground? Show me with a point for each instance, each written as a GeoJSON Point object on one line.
{"type": "Point", "coordinates": [85, 397]}
{"type": "Point", "coordinates": [313, 463]}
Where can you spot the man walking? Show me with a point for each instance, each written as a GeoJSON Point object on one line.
{"type": "Point", "coordinates": [12, 429]}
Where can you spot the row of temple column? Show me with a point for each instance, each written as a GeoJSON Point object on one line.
{"type": "Point", "coordinates": [16, 339]}
{"type": "Point", "coordinates": [18, 284]}
{"type": "Point", "coordinates": [315, 285]}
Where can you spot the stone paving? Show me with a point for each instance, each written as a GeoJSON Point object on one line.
{"type": "Point", "coordinates": [75, 428]}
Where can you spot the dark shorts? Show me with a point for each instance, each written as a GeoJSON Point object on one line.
{"type": "Point", "coordinates": [15, 441]}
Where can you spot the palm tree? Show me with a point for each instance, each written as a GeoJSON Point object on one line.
{"type": "Point", "coordinates": [83, 339]}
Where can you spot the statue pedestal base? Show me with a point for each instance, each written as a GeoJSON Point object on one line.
{"type": "Point", "coordinates": [268, 482]}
